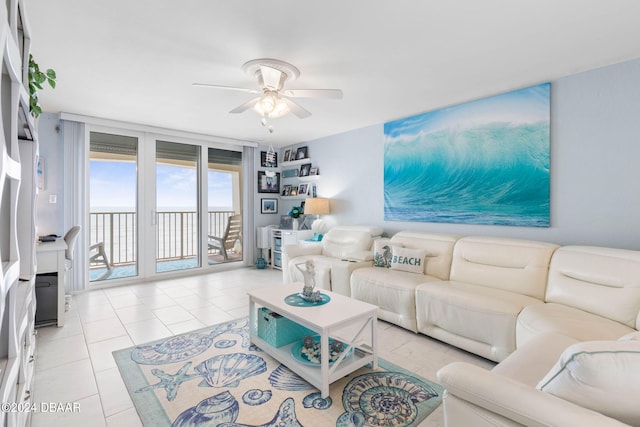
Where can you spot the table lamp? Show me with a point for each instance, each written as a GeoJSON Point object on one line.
{"type": "Point", "coordinates": [317, 206]}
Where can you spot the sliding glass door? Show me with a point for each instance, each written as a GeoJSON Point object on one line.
{"type": "Point", "coordinates": [113, 183]}
{"type": "Point", "coordinates": [177, 206]}
{"type": "Point", "coordinates": [161, 205]}
{"type": "Point", "coordinates": [224, 195]}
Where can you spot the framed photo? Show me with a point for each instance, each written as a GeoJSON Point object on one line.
{"type": "Point", "coordinates": [290, 173]}
{"type": "Point", "coordinates": [287, 155]}
{"type": "Point", "coordinates": [303, 189]}
{"type": "Point", "coordinates": [313, 171]}
{"type": "Point", "coordinates": [269, 206]}
{"type": "Point", "coordinates": [301, 153]}
{"type": "Point", "coordinates": [268, 184]}
{"type": "Point", "coordinates": [304, 169]}
{"type": "Point", "coordinates": [294, 190]}
{"type": "Point", "coordinates": [286, 222]}
{"type": "Point", "coordinates": [268, 161]}
{"type": "Point", "coordinates": [286, 190]}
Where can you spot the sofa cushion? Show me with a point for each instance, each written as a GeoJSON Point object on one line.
{"type": "Point", "coordinates": [409, 260]}
{"type": "Point", "coordinates": [382, 252]}
{"type": "Point", "coordinates": [479, 319]}
{"type": "Point", "coordinates": [600, 375]}
{"type": "Point", "coordinates": [566, 320]}
{"type": "Point", "coordinates": [531, 361]}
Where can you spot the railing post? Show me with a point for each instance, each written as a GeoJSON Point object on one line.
{"type": "Point", "coordinates": [111, 246]}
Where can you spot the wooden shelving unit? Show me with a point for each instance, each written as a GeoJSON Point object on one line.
{"type": "Point", "coordinates": [18, 156]}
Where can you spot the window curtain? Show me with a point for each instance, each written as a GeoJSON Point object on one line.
{"type": "Point", "coordinates": [248, 213]}
{"type": "Point", "coordinates": [76, 200]}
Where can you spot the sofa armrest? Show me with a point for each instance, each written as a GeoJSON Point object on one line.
{"type": "Point", "coordinates": [359, 256]}
{"type": "Point", "coordinates": [341, 275]}
{"type": "Point", "coordinates": [290, 252]}
{"type": "Point", "coordinates": [502, 397]}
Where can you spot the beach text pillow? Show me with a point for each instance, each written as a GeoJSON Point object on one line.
{"type": "Point", "coordinates": [405, 259]}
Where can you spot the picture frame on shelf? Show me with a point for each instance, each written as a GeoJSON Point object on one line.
{"type": "Point", "coordinates": [286, 190]}
{"type": "Point", "coordinates": [265, 163]}
{"type": "Point", "coordinates": [268, 183]}
{"type": "Point", "coordinates": [287, 155]}
{"type": "Point", "coordinates": [302, 152]}
{"type": "Point", "coordinates": [304, 169]}
{"type": "Point", "coordinates": [286, 222]}
{"type": "Point", "coordinates": [269, 206]}
{"type": "Point", "coordinates": [313, 171]}
{"type": "Point", "coordinates": [303, 189]}
{"type": "Point", "coordinates": [290, 173]}
{"type": "Point", "coordinates": [294, 190]}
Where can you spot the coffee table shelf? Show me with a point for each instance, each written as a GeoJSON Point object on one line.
{"type": "Point", "coordinates": [331, 320]}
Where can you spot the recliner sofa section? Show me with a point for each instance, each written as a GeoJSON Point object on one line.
{"type": "Point", "coordinates": [491, 281]}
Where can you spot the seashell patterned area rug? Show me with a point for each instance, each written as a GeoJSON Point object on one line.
{"type": "Point", "coordinates": [214, 377]}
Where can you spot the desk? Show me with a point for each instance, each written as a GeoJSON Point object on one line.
{"type": "Point", "coordinates": [50, 259]}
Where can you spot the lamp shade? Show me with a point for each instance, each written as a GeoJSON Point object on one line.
{"type": "Point", "coordinates": [316, 206]}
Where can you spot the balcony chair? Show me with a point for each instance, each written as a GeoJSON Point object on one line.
{"type": "Point", "coordinates": [100, 256]}
{"type": "Point", "coordinates": [232, 234]}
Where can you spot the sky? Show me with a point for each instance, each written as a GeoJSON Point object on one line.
{"type": "Point", "coordinates": [113, 185]}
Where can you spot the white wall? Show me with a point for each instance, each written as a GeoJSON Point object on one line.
{"type": "Point", "coordinates": [50, 216]}
{"type": "Point", "coordinates": [595, 178]}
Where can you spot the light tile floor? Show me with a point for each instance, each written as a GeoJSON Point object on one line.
{"type": "Point", "coordinates": [74, 363]}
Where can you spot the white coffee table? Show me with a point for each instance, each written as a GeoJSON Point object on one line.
{"type": "Point", "coordinates": [348, 320]}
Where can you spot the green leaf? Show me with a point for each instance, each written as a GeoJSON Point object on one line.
{"type": "Point", "coordinates": [52, 83]}
{"type": "Point", "coordinates": [51, 74]}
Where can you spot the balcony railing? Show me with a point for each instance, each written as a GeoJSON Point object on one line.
{"type": "Point", "coordinates": [176, 234]}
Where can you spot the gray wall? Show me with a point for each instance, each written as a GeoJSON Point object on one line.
{"type": "Point", "coordinates": [595, 178]}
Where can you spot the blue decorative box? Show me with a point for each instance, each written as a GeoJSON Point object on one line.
{"type": "Point", "coordinates": [277, 330]}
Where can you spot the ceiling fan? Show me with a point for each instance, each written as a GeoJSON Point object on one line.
{"type": "Point", "coordinates": [274, 100]}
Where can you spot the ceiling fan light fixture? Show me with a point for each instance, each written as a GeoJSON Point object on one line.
{"type": "Point", "coordinates": [272, 106]}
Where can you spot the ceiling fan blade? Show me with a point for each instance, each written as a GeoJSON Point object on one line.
{"type": "Point", "coordinates": [244, 107]}
{"type": "Point", "coordinates": [296, 109]}
{"type": "Point", "coordinates": [272, 78]}
{"type": "Point", "coordinates": [240, 89]}
{"type": "Point", "coordinates": [313, 93]}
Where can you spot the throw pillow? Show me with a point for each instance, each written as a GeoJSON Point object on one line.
{"type": "Point", "coordinates": [603, 376]}
{"type": "Point", "coordinates": [382, 252]}
{"type": "Point", "coordinates": [405, 259]}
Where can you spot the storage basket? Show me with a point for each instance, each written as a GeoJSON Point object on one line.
{"type": "Point", "coordinates": [277, 330]}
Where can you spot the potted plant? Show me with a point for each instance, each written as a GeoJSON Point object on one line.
{"type": "Point", "coordinates": [295, 213]}
{"type": "Point", "coordinates": [36, 79]}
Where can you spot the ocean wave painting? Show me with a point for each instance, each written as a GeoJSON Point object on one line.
{"type": "Point", "coordinates": [483, 162]}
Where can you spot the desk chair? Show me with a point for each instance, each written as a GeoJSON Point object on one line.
{"type": "Point", "coordinates": [70, 238]}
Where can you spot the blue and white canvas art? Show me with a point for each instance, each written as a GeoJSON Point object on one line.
{"type": "Point", "coordinates": [483, 162]}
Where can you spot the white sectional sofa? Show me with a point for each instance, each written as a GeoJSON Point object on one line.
{"type": "Point", "coordinates": [551, 316]}
{"type": "Point", "coordinates": [562, 322]}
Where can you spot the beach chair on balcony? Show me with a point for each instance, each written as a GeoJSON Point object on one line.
{"type": "Point", "coordinates": [232, 234]}
{"type": "Point", "coordinates": [97, 254]}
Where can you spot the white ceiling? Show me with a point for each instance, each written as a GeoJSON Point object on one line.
{"type": "Point", "coordinates": [135, 60]}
